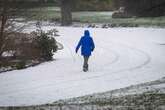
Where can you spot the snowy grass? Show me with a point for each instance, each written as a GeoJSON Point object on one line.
{"type": "Point", "coordinates": [53, 14]}
{"type": "Point", "coordinates": [123, 57]}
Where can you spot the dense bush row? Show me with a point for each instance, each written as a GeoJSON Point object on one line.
{"type": "Point", "coordinates": [144, 8]}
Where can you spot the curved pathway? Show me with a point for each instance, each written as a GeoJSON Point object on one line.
{"type": "Point", "coordinates": [123, 57]}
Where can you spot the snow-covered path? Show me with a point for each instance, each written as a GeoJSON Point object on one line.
{"type": "Point", "coordinates": [123, 57]}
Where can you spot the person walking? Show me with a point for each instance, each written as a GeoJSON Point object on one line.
{"type": "Point", "coordinates": [87, 47]}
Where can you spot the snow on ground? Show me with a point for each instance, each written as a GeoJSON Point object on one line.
{"type": "Point", "coordinates": [123, 57]}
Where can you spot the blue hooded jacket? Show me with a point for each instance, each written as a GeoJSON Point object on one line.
{"type": "Point", "coordinates": [86, 43]}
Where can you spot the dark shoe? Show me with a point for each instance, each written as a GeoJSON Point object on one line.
{"type": "Point", "coordinates": [85, 69]}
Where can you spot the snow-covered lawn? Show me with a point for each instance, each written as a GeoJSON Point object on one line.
{"type": "Point", "coordinates": [123, 57]}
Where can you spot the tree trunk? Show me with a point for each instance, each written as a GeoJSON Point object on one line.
{"type": "Point", "coordinates": [3, 20]}
{"type": "Point", "coordinates": [66, 12]}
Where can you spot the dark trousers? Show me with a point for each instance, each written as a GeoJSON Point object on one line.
{"type": "Point", "coordinates": [85, 65]}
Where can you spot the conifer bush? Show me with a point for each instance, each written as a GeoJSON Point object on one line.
{"type": "Point", "coordinates": [47, 46]}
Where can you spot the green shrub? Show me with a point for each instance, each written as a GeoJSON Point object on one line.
{"type": "Point", "coordinates": [45, 42]}
{"type": "Point", "coordinates": [47, 46]}
{"type": "Point", "coordinates": [21, 65]}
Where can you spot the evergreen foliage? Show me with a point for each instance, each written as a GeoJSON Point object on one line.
{"type": "Point", "coordinates": [46, 42]}
{"type": "Point", "coordinates": [21, 64]}
{"type": "Point", "coordinates": [47, 46]}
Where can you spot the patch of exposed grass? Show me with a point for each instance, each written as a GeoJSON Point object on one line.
{"type": "Point", "coordinates": [145, 99]}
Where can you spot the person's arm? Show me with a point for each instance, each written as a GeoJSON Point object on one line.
{"type": "Point", "coordinates": [92, 44]}
{"type": "Point", "coordinates": [78, 46]}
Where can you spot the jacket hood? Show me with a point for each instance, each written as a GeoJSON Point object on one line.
{"type": "Point", "coordinates": [86, 33]}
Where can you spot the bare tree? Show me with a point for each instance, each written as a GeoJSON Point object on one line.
{"type": "Point", "coordinates": [8, 12]}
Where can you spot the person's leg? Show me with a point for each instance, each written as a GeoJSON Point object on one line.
{"type": "Point", "coordinates": [85, 65]}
